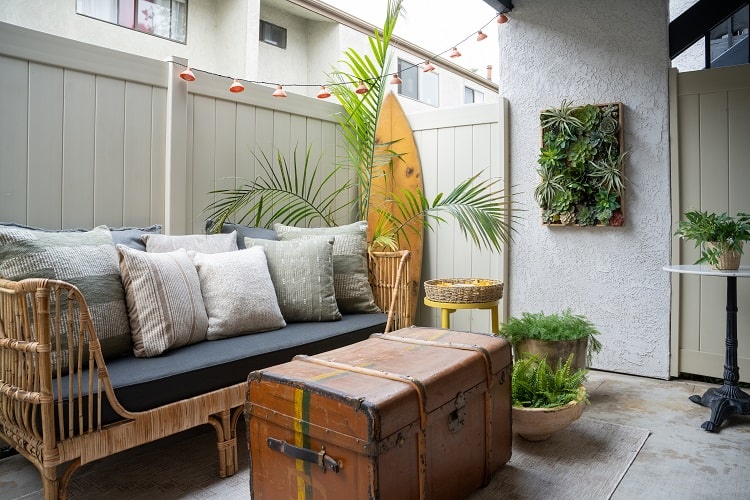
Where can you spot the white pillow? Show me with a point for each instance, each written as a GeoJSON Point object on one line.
{"type": "Point", "coordinates": [238, 293]}
{"type": "Point", "coordinates": [164, 300]}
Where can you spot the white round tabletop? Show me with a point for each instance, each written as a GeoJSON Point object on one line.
{"type": "Point", "coordinates": [742, 272]}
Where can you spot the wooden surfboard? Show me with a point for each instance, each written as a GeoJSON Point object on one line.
{"type": "Point", "coordinates": [404, 176]}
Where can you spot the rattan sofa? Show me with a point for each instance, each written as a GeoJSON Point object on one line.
{"type": "Point", "coordinates": [61, 419]}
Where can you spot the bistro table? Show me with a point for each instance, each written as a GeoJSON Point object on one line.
{"type": "Point", "coordinates": [729, 398]}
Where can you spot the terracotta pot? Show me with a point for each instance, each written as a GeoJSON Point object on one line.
{"type": "Point", "coordinates": [538, 424]}
{"type": "Point", "coordinates": [555, 350]}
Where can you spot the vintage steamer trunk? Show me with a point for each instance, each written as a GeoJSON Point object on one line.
{"type": "Point", "coordinates": [418, 413]}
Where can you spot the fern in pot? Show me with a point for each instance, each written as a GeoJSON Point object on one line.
{"type": "Point", "coordinates": [720, 237]}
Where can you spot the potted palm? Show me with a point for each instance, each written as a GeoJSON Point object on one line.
{"type": "Point", "coordinates": [720, 237]}
{"type": "Point", "coordinates": [556, 336]}
{"type": "Point", "coordinates": [545, 399]}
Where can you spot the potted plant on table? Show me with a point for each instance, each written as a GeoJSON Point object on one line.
{"type": "Point", "coordinates": [720, 237]}
{"type": "Point", "coordinates": [556, 336]}
{"type": "Point", "coordinates": [545, 400]}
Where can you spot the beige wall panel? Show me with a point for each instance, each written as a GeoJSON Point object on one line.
{"type": "Point", "coordinates": [78, 149]}
{"type": "Point", "coordinates": [204, 154]}
{"type": "Point", "coordinates": [427, 142]}
{"type": "Point", "coordinates": [158, 155]}
{"type": "Point", "coordinates": [714, 152]}
{"type": "Point", "coordinates": [109, 151]}
{"type": "Point", "coordinates": [137, 154]}
{"type": "Point", "coordinates": [689, 188]}
{"type": "Point", "coordinates": [247, 168]}
{"type": "Point", "coordinates": [226, 150]}
{"type": "Point", "coordinates": [14, 102]}
{"type": "Point", "coordinates": [45, 146]}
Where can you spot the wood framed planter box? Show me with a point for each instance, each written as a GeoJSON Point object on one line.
{"type": "Point", "coordinates": [581, 165]}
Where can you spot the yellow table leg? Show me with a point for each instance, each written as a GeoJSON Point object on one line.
{"type": "Point", "coordinates": [446, 317]}
{"type": "Point", "coordinates": [495, 322]}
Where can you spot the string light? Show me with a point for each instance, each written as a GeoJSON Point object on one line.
{"type": "Point", "coordinates": [361, 88]}
{"type": "Point", "coordinates": [236, 86]}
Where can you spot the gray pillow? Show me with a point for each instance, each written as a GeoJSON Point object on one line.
{"type": "Point", "coordinates": [302, 274]}
{"type": "Point", "coordinates": [204, 243]}
{"type": "Point", "coordinates": [246, 232]}
{"type": "Point", "coordinates": [350, 271]}
{"type": "Point", "coordinates": [238, 293]}
{"type": "Point", "coordinates": [164, 299]}
{"type": "Point", "coordinates": [86, 259]}
{"type": "Point", "coordinates": [130, 236]}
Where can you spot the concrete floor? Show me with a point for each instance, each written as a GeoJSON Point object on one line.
{"type": "Point", "coordinates": [678, 461]}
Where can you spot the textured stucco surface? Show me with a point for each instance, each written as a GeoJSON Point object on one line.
{"type": "Point", "coordinates": [595, 52]}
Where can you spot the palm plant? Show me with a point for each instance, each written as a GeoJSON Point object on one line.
{"type": "Point", "coordinates": [479, 208]}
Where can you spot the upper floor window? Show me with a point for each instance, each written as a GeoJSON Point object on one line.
{"type": "Point", "coordinates": [272, 34]}
{"type": "Point", "coordinates": [471, 95]}
{"type": "Point", "coordinates": [416, 84]}
{"type": "Point", "coordinates": [163, 18]}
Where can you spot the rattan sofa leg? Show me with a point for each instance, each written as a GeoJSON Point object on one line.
{"type": "Point", "coordinates": [61, 490]}
{"type": "Point", "coordinates": [226, 443]}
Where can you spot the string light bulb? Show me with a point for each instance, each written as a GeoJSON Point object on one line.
{"type": "Point", "coordinates": [395, 80]}
{"type": "Point", "coordinates": [362, 89]}
{"type": "Point", "coordinates": [324, 93]}
{"type": "Point", "coordinates": [279, 92]}
{"type": "Point", "coordinates": [502, 18]}
{"type": "Point", "coordinates": [236, 87]}
{"type": "Point", "coordinates": [481, 36]}
{"type": "Point", "coordinates": [428, 67]}
{"type": "Point", "coordinates": [188, 75]}
{"type": "Point", "coordinates": [455, 53]}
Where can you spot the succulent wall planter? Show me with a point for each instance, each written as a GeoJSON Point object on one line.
{"type": "Point", "coordinates": [581, 165]}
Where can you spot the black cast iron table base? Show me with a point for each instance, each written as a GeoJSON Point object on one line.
{"type": "Point", "coordinates": [728, 399]}
{"type": "Point", "coordinates": [723, 401]}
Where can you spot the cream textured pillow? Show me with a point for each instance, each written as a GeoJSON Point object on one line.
{"type": "Point", "coordinates": [350, 271]}
{"type": "Point", "coordinates": [164, 300]}
{"type": "Point", "coordinates": [302, 273]}
{"type": "Point", "coordinates": [238, 293]}
{"type": "Point", "coordinates": [204, 243]}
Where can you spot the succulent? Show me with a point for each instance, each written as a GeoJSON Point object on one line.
{"type": "Point", "coordinates": [568, 218]}
{"type": "Point", "coordinates": [586, 215]}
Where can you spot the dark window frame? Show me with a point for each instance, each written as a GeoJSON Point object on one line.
{"type": "Point", "coordinates": [282, 43]}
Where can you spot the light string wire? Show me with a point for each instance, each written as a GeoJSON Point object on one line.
{"type": "Point", "coordinates": [356, 81]}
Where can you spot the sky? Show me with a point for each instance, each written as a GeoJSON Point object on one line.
{"type": "Point", "coordinates": [438, 26]}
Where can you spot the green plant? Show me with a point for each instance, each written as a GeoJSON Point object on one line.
{"type": "Point", "coordinates": [722, 231]}
{"type": "Point", "coordinates": [540, 326]}
{"type": "Point", "coordinates": [581, 154]}
{"type": "Point", "coordinates": [561, 120]}
{"type": "Point", "coordinates": [479, 207]}
{"type": "Point", "coordinates": [292, 193]}
{"type": "Point", "coordinates": [586, 216]}
{"type": "Point", "coordinates": [534, 384]}
{"type": "Point", "coordinates": [608, 173]}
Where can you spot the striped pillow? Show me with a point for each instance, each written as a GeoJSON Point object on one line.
{"type": "Point", "coordinates": [164, 300]}
{"type": "Point", "coordinates": [86, 259]}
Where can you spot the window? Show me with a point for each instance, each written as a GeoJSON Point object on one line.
{"type": "Point", "coordinates": [272, 34]}
{"type": "Point", "coordinates": [416, 84]}
{"type": "Point", "coordinates": [163, 18]}
{"type": "Point", "coordinates": [727, 44]}
{"type": "Point", "coordinates": [471, 95]}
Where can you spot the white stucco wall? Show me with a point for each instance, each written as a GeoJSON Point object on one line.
{"type": "Point", "coordinates": [599, 52]}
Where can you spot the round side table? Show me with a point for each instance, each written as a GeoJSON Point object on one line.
{"type": "Point", "coordinates": [448, 308]}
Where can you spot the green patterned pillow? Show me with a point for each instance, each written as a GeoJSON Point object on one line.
{"type": "Point", "coordinates": [302, 275]}
{"type": "Point", "coordinates": [87, 260]}
{"type": "Point", "coordinates": [350, 271]}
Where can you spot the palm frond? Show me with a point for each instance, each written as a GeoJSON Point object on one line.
{"type": "Point", "coordinates": [292, 193]}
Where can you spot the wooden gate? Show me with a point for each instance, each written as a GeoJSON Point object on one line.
{"type": "Point", "coordinates": [710, 129]}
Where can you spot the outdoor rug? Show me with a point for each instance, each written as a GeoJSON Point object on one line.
{"type": "Point", "coordinates": [585, 461]}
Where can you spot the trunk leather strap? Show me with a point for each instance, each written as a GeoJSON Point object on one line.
{"type": "Point", "coordinates": [324, 461]}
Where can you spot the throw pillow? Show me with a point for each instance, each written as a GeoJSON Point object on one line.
{"type": "Point", "coordinates": [350, 271]}
{"type": "Point", "coordinates": [86, 259]}
{"type": "Point", "coordinates": [302, 274]}
{"type": "Point", "coordinates": [164, 300]}
{"type": "Point", "coordinates": [131, 236]}
{"type": "Point", "coordinates": [204, 243]}
{"type": "Point", "coordinates": [245, 232]}
{"type": "Point", "coordinates": [238, 293]}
